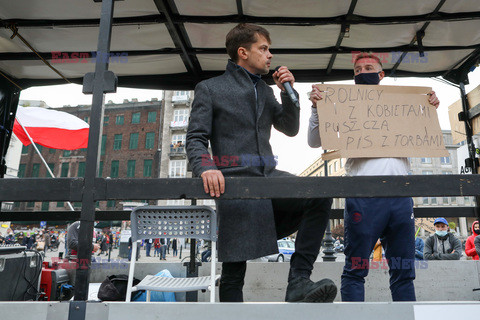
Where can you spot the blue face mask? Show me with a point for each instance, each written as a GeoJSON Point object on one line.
{"type": "Point", "coordinates": [367, 78]}
{"type": "Point", "coordinates": [441, 233]}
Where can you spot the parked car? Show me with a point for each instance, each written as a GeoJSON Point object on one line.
{"type": "Point", "coordinates": [285, 250]}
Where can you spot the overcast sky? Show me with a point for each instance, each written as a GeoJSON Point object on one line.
{"type": "Point", "coordinates": [294, 154]}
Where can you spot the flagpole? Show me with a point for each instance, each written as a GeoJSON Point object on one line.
{"type": "Point", "coordinates": [41, 157]}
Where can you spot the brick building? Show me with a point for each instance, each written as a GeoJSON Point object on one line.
{"type": "Point", "coordinates": [130, 148]}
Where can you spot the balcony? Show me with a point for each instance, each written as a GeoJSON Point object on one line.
{"type": "Point", "coordinates": [177, 175]}
{"type": "Point", "coordinates": [180, 100]}
{"type": "Point", "coordinates": [177, 151]}
{"type": "Point", "coordinates": [179, 125]}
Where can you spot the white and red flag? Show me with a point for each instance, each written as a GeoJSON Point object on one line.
{"type": "Point", "coordinates": [50, 128]}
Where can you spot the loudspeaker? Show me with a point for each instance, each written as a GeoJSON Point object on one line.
{"type": "Point", "coordinates": [20, 272]}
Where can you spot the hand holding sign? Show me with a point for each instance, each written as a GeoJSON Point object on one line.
{"type": "Point", "coordinates": [378, 121]}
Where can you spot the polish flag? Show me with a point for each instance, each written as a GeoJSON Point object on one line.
{"type": "Point", "coordinates": [50, 128]}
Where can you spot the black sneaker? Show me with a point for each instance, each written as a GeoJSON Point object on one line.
{"type": "Point", "coordinates": [305, 290]}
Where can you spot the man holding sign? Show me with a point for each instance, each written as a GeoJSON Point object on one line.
{"type": "Point", "coordinates": [367, 219]}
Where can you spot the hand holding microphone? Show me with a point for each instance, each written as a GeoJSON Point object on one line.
{"type": "Point", "coordinates": [284, 79]}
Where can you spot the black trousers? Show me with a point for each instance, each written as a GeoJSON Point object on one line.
{"type": "Point", "coordinates": [307, 216]}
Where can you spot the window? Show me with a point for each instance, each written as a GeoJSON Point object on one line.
{"type": "Point", "coordinates": [178, 169]}
{"type": "Point", "coordinates": [40, 148]}
{"type": "Point", "coordinates": [427, 172]}
{"type": "Point", "coordinates": [85, 119]}
{"type": "Point", "coordinates": [66, 153]}
{"type": "Point", "coordinates": [131, 168]}
{"type": "Point", "coordinates": [445, 200]}
{"type": "Point", "coordinates": [104, 144]}
{"type": "Point", "coordinates": [100, 169]}
{"type": "Point", "coordinates": [425, 200]}
{"type": "Point", "coordinates": [180, 93]}
{"type": "Point", "coordinates": [178, 138]}
{"type": "Point", "coordinates": [52, 150]}
{"type": "Point", "coordinates": [36, 170]}
{"type": "Point", "coordinates": [136, 117]}
{"type": "Point", "coordinates": [105, 120]}
{"type": "Point", "coordinates": [119, 120]}
{"type": "Point", "coordinates": [24, 149]}
{"type": "Point", "coordinates": [445, 160]}
{"type": "Point", "coordinates": [466, 200]}
{"type": "Point", "coordinates": [447, 172]}
{"type": "Point", "coordinates": [341, 163]}
{"type": "Point", "coordinates": [21, 170]}
{"type": "Point", "coordinates": [51, 166]}
{"type": "Point", "coordinates": [60, 205]}
{"type": "Point", "coordinates": [209, 202]}
{"type": "Point", "coordinates": [149, 140]}
{"type": "Point", "coordinates": [147, 168]}
{"type": "Point", "coordinates": [433, 200]}
{"type": "Point", "coordinates": [180, 115]}
{"type": "Point", "coordinates": [114, 169]}
{"type": "Point", "coordinates": [330, 169]}
{"type": "Point", "coordinates": [454, 200]}
{"type": "Point", "coordinates": [30, 204]}
{"type": "Point", "coordinates": [177, 202]}
{"type": "Point", "coordinates": [64, 170]}
{"type": "Point", "coordinates": [117, 142]}
{"type": "Point", "coordinates": [335, 166]}
{"type": "Point", "coordinates": [152, 116]}
{"type": "Point", "coordinates": [426, 160]}
{"type": "Point", "coordinates": [133, 141]}
{"type": "Point", "coordinates": [45, 206]}
{"type": "Point", "coordinates": [81, 170]}
{"type": "Point", "coordinates": [111, 203]}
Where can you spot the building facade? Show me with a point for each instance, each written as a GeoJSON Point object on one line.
{"type": "Point", "coordinates": [139, 140]}
{"type": "Point", "coordinates": [174, 157]}
{"type": "Point", "coordinates": [130, 148]}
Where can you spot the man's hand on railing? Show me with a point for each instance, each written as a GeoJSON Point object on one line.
{"type": "Point", "coordinates": [213, 182]}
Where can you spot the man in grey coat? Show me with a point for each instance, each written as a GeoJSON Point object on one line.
{"type": "Point", "coordinates": [236, 112]}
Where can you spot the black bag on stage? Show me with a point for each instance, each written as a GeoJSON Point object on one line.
{"type": "Point", "coordinates": [114, 288]}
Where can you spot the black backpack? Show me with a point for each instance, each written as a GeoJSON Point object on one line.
{"type": "Point", "coordinates": [114, 288]}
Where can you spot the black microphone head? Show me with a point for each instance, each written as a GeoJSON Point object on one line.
{"type": "Point", "coordinates": [277, 67]}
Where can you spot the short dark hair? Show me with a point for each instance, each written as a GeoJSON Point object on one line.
{"type": "Point", "coordinates": [243, 35]}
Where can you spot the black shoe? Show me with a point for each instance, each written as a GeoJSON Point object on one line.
{"type": "Point", "coordinates": [305, 290]}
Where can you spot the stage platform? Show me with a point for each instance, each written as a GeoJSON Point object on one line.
{"type": "Point", "coordinates": [243, 311]}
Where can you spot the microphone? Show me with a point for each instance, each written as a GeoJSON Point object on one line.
{"type": "Point", "coordinates": [290, 92]}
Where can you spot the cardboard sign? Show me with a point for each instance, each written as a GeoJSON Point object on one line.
{"type": "Point", "coordinates": [367, 121]}
{"type": "Point", "coordinates": [458, 127]}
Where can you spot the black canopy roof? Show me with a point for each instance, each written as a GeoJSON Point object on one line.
{"type": "Point", "coordinates": [174, 44]}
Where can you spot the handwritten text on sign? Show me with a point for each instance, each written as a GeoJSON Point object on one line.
{"type": "Point", "coordinates": [379, 121]}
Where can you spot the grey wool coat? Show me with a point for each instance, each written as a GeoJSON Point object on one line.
{"type": "Point", "coordinates": [237, 121]}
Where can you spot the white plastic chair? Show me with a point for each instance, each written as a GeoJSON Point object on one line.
{"type": "Point", "coordinates": [196, 222]}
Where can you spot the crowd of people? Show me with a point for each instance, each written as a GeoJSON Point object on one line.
{"type": "Point", "coordinates": [38, 239]}
{"type": "Point", "coordinates": [161, 247]}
